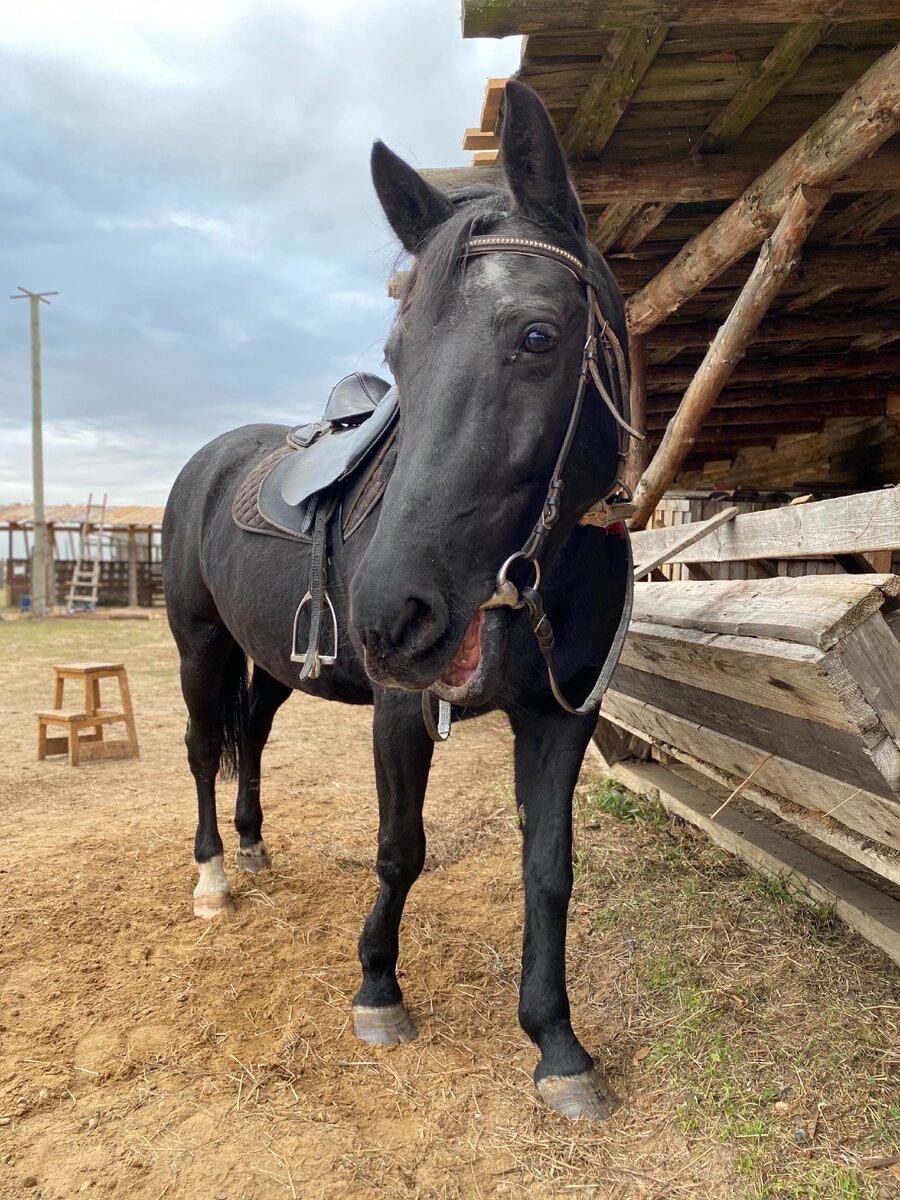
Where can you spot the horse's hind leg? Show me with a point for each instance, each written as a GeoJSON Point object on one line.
{"type": "Point", "coordinates": [266, 697]}
{"type": "Point", "coordinates": [213, 670]}
{"type": "Point", "coordinates": [403, 752]}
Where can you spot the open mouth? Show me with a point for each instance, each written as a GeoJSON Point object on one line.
{"type": "Point", "coordinates": [467, 659]}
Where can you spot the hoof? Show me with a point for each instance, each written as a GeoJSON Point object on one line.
{"type": "Point", "coordinates": [585, 1096]}
{"type": "Point", "coordinates": [254, 859]}
{"type": "Point", "coordinates": [383, 1026]}
{"type": "Point", "coordinates": [213, 906]}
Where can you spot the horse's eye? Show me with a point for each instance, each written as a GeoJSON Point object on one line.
{"type": "Point", "coordinates": [539, 341]}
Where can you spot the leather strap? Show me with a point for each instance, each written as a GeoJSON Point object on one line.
{"type": "Point", "coordinates": [318, 575]}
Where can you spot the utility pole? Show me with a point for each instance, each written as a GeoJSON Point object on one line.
{"type": "Point", "coordinates": [39, 557]}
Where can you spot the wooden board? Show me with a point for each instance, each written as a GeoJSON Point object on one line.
{"type": "Point", "coordinates": [760, 671]}
{"type": "Point", "coordinates": [812, 611]}
{"type": "Point", "coordinates": [872, 913]}
{"type": "Point", "coordinates": [872, 816]}
{"type": "Point", "coordinates": [861, 759]}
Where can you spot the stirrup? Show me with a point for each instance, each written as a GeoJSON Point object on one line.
{"type": "Point", "coordinates": [319, 660]}
{"type": "Point", "coordinates": [438, 730]}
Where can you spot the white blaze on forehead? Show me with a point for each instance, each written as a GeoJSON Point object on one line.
{"type": "Point", "coordinates": [488, 271]}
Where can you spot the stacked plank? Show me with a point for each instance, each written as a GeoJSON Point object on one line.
{"type": "Point", "coordinates": [786, 690]}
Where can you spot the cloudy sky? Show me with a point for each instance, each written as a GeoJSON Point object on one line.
{"type": "Point", "coordinates": [192, 177]}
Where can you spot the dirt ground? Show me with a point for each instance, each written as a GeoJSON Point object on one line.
{"type": "Point", "coordinates": [145, 1054]}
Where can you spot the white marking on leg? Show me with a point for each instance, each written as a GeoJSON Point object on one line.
{"type": "Point", "coordinates": [212, 894]}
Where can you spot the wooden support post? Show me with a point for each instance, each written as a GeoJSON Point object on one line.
{"type": "Point", "coordinates": [776, 260]}
{"type": "Point", "coordinates": [132, 568]}
{"type": "Point", "coordinates": [640, 451]}
{"type": "Point", "coordinates": [864, 117]}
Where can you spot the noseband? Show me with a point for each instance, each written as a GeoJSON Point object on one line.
{"type": "Point", "coordinates": [598, 333]}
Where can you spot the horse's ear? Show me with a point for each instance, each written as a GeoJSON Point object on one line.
{"type": "Point", "coordinates": [534, 162]}
{"type": "Point", "coordinates": [413, 207]}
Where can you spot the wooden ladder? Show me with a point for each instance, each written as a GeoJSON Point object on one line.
{"type": "Point", "coordinates": [84, 586]}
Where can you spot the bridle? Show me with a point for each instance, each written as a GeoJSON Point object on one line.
{"type": "Point", "coordinates": [598, 335]}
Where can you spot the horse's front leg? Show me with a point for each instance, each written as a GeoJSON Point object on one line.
{"type": "Point", "coordinates": [549, 749]}
{"type": "Point", "coordinates": [403, 752]}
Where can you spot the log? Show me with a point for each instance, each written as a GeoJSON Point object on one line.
{"type": "Point", "coordinates": [644, 568]}
{"type": "Point", "coordinates": [779, 329]}
{"type": "Point", "coordinates": [864, 117]}
{"type": "Point", "coordinates": [801, 394]}
{"type": "Point", "coordinates": [612, 221]}
{"type": "Point", "coordinates": [488, 18]}
{"type": "Point", "coordinates": [639, 452]}
{"type": "Point", "coordinates": [776, 261]}
{"type": "Point", "coordinates": [770, 416]}
{"type": "Point", "coordinates": [675, 376]}
{"type": "Point", "coordinates": [625, 63]}
{"type": "Point", "coordinates": [718, 177]}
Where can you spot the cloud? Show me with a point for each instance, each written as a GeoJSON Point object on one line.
{"type": "Point", "coordinates": [193, 179]}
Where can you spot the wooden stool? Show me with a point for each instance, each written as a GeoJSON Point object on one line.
{"type": "Point", "coordinates": [91, 746]}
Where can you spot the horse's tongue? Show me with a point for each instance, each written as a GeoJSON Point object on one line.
{"type": "Point", "coordinates": [468, 656]}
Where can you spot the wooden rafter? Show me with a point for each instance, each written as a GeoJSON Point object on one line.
{"type": "Point", "coordinates": [780, 329]}
{"type": "Point", "coordinates": [772, 370]}
{"type": "Point", "coordinates": [865, 117]}
{"type": "Point", "coordinates": [626, 62]}
{"type": "Point", "coordinates": [776, 261]}
{"type": "Point", "coordinates": [860, 219]}
{"type": "Point", "coordinates": [798, 395]}
{"type": "Point", "coordinates": [780, 64]}
{"type": "Point", "coordinates": [719, 177]}
{"type": "Point", "coordinates": [487, 18]}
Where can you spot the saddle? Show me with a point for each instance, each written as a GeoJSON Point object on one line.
{"type": "Point", "coordinates": [342, 461]}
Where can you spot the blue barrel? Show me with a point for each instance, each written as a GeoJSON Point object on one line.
{"type": "Point", "coordinates": [25, 604]}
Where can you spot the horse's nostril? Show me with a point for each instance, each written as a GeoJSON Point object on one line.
{"type": "Point", "coordinates": [412, 623]}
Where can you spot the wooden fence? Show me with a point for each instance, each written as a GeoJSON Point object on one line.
{"type": "Point", "coordinates": [113, 581]}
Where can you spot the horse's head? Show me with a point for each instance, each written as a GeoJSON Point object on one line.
{"type": "Point", "coordinates": [486, 351]}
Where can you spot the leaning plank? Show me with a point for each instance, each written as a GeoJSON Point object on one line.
{"type": "Point", "coordinates": [677, 181]}
{"type": "Point", "coordinates": [878, 859]}
{"type": "Point", "coordinates": [872, 913]}
{"type": "Point", "coordinates": [864, 117]}
{"type": "Point", "coordinates": [777, 259]}
{"type": "Point", "coordinates": [866, 522]}
{"type": "Point", "coordinates": [489, 18]}
{"type": "Point", "coordinates": [872, 816]}
{"type": "Point", "coordinates": [625, 63]}
{"type": "Point", "coordinates": [812, 610]}
{"type": "Point", "coordinates": [694, 535]}
{"type": "Point", "coordinates": [780, 675]}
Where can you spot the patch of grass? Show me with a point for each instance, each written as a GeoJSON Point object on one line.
{"type": "Point", "coordinates": [612, 800]}
{"type": "Point", "coordinates": [768, 888]}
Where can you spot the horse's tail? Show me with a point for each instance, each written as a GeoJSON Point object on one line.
{"type": "Point", "coordinates": [233, 710]}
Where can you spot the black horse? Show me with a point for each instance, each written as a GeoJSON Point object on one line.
{"type": "Point", "coordinates": [488, 353]}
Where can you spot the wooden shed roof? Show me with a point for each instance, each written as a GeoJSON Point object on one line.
{"type": "Point", "coordinates": [122, 517]}
{"type": "Point", "coordinates": [671, 112]}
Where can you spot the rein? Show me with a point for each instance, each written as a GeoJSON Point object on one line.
{"type": "Point", "coordinates": [598, 333]}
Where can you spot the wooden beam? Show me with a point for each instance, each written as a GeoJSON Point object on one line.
{"type": "Point", "coordinates": [625, 63]}
{"type": "Point", "coordinates": [776, 261]}
{"type": "Point", "coordinates": [774, 414]}
{"type": "Point", "coordinates": [858, 220]}
{"type": "Point", "coordinates": [477, 139]}
{"type": "Point", "coordinates": [770, 370]}
{"type": "Point", "coordinates": [639, 454]}
{"type": "Point", "coordinates": [864, 117]}
{"type": "Point", "coordinates": [780, 64]}
{"type": "Point", "coordinates": [718, 177]}
{"type": "Point", "coordinates": [488, 18]}
{"type": "Point", "coordinates": [612, 221]}
{"type": "Point", "coordinates": [850, 325]}
{"type": "Point", "coordinates": [865, 522]}
{"type": "Point", "coordinates": [699, 531]}
{"type": "Point", "coordinates": [801, 394]}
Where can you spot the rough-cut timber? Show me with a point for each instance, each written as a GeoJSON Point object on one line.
{"type": "Point", "coordinates": [625, 63]}
{"type": "Point", "coordinates": [639, 453]}
{"type": "Point", "coordinates": [780, 329]}
{"type": "Point", "coordinates": [865, 117]}
{"type": "Point", "coordinates": [776, 261]}
{"type": "Point", "coordinates": [504, 18]}
{"type": "Point", "coordinates": [718, 177]}
{"type": "Point", "coordinates": [771, 370]}
{"type": "Point", "coordinates": [843, 526]}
